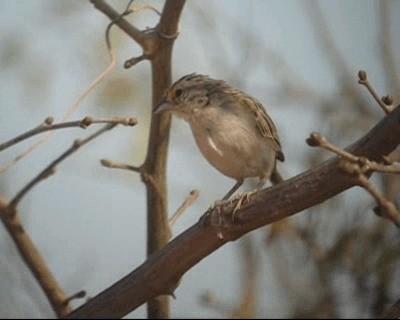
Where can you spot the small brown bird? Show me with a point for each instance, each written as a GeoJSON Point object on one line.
{"type": "Point", "coordinates": [231, 128]}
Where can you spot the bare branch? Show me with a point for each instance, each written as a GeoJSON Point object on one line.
{"type": "Point", "coordinates": [34, 261]}
{"type": "Point", "coordinates": [133, 61]}
{"type": "Point", "coordinates": [317, 140]}
{"type": "Point", "coordinates": [282, 200]}
{"type": "Point", "coordinates": [116, 165]}
{"type": "Point", "coordinates": [129, 29]}
{"type": "Point", "coordinates": [48, 125]}
{"type": "Point", "coordinates": [360, 167]}
{"type": "Point", "coordinates": [363, 79]}
{"type": "Point", "coordinates": [192, 197]}
{"type": "Point", "coordinates": [385, 207]}
{"type": "Point", "coordinates": [50, 169]}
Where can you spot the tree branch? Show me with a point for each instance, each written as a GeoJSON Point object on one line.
{"type": "Point", "coordinates": [34, 260]}
{"type": "Point", "coordinates": [157, 46]}
{"type": "Point", "coordinates": [50, 169]}
{"type": "Point", "coordinates": [48, 125]}
{"type": "Point", "coordinates": [129, 29]}
{"type": "Point", "coordinates": [156, 276]}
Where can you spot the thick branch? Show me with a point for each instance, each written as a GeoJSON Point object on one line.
{"type": "Point", "coordinates": [157, 47]}
{"type": "Point", "coordinates": [158, 230]}
{"type": "Point", "coordinates": [35, 262]}
{"type": "Point", "coordinates": [159, 274]}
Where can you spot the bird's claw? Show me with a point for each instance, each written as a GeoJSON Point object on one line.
{"type": "Point", "coordinates": [241, 199]}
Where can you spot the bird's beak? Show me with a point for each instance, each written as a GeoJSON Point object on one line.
{"type": "Point", "coordinates": [161, 107]}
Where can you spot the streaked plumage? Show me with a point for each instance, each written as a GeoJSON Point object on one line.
{"type": "Point", "coordinates": [231, 128]}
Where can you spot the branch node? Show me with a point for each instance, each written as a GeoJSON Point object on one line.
{"type": "Point", "coordinates": [86, 122]}
{"type": "Point", "coordinates": [349, 167]}
{"type": "Point", "coordinates": [131, 122]}
{"type": "Point", "coordinates": [388, 100]}
{"type": "Point", "coordinates": [49, 121]}
{"type": "Point", "coordinates": [77, 143]}
{"type": "Point", "coordinates": [168, 36]}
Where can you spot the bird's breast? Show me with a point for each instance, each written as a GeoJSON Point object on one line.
{"type": "Point", "coordinates": [232, 146]}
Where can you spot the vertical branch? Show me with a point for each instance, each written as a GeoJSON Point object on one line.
{"type": "Point", "coordinates": [158, 231]}
{"type": "Point", "coordinates": [157, 47]}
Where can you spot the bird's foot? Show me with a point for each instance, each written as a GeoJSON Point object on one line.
{"type": "Point", "coordinates": [242, 199]}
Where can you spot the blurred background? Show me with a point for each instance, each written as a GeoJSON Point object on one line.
{"type": "Point", "coordinates": [299, 58]}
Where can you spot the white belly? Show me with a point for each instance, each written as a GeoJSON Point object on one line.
{"type": "Point", "coordinates": [232, 148]}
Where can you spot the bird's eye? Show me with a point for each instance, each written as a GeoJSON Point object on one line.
{"type": "Point", "coordinates": [178, 93]}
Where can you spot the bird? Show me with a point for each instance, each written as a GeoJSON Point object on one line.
{"type": "Point", "coordinates": [231, 128]}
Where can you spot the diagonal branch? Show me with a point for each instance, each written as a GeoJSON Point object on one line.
{"type": "Point", "coordinates": [155, 276]}
{"type": "Point", "coordinates": [50, 169]}
{"type": "Point", "coordinates": [129, 29]}
{"type": "Point", "coordinates": [34, 261]}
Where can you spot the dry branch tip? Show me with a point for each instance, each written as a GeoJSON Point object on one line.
{"type": "Point", "coordinates": [106, 163]}
{"type": "Point", "coordinates": [79, 295]}
{"type": "Point", "coordinates": [135, 60]}
{"type": "Point", "coordinates": [315, 140]}
{"type": "Point", "coordinates": [362, 76]}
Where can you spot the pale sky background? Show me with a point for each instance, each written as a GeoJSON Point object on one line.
{"type": "Point", "coordinates": [88, 221]}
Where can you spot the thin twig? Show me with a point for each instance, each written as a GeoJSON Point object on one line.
{"type": "Point", "coordinates": [363, 79]}
{"type": "Point", "coordinates": [193, 195]}
{"type": "Point", "coordinates": [317, 140]}
{"type": "Point", "coordinates": [359, 167]}
{"type": "Point", "coordinates": [385, 207]}
{"type": "Point", "coordinates": [117, 165]}
{"type": "Point", "coordinates": [362, 164]}
{"type": "Point", "coordinates": [75, 105]}
{"type": "Point", "coordinates": [50, 169]}
{"type": "Point", "coordinates": [48, 125]}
